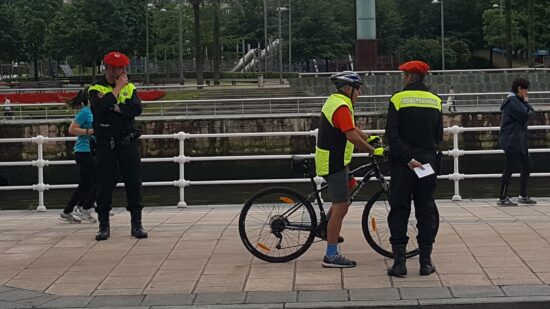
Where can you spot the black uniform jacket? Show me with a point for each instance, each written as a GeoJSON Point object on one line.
{"type": "Point", "coordinates": [108, 123]}
{"type": "Point", "coordinates": [413, 128]}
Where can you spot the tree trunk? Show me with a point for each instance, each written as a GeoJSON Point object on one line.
{"type": "Point", "coordinates": [198, 42]}
{"type": "Point", "coordinates": [508, 21]}
{"type": "Point", "coordinates": [531, 36]}
{"type": "Point", "coordinates": [216, 42]}
{"type": "Point", "coordinates": [35, 62]}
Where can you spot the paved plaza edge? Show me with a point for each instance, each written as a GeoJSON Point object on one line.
{"type": "Point", "coordinates": [518, 278]}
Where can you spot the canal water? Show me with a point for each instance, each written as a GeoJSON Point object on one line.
{"type": "Point", "coordinates": [237, 170]}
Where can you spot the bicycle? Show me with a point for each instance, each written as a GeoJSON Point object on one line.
{"type": "Point", "coordinates": [290, 224]}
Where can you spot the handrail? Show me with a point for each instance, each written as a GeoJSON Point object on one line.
{"type": "Point", "coordinates": [181, 160]}
{"type": "Point", "coordinates": [432, 72]}
{"type": "Point", "coordinates": [77, 88]}
{"type": "Point", "coordinates": [275, 107]}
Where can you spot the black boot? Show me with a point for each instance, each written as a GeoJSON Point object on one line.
{"type": "Point", "coordinates": [104, 228]}
{"type": "Point", "coordinates": [426, 265]}
{"type": "Point", "coordinates": [137, 228]}
{"type": "Point", "coordinates": [399, 268]}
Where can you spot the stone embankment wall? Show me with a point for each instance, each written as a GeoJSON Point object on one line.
{"type": "Point", "coordinates": [381, 84]}
{"type": "Point", "coordinates": [250, 145]}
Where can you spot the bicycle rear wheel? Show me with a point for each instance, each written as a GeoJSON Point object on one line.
{"type": "Point", "coordinates": [277, 224]}
{"type": "Point", "coordinates": [376, 230]}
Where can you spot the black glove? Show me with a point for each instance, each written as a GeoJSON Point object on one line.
{"type": "Point", "coordinates": [130, 137]}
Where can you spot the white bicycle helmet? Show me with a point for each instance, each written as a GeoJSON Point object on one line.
{"type": "Point", "coordinates": [342, 79]}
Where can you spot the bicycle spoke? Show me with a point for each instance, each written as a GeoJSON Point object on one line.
{"type": "Point", "coordinates": [277, 217]}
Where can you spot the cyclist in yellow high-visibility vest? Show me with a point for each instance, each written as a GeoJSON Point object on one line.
{"type": "Point", "coordinates": [414, 130]}
{"type": "Point", "coordinates": [115, 104]}
{"type": "Point", "coordinates": [335, 143]}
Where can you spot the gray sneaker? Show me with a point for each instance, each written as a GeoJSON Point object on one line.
{"type": "Point", "coordinates": [338, 261]}
{"type": "Point", "coordinates": [506, 202]}
{"type": "Point", "coordinates": [69, 217]}
{"type": "Point", "coordinates": [84, 214]}
{"type": "Point", "coordinates": [526, 200]}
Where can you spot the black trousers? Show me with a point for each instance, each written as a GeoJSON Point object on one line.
{"type": "Point", "coordinates": [512, 161]}
{"type": "Point", "coordinates": [405, 187]}
{"type": "Point", "coordinates": [85, 193]}
{"type": "Point", "coordinates": [127, 158]}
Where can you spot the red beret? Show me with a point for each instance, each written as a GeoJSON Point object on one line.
{"type": "Point", "coordinates": [116, 59]}
{"type": "Point", "coordinates": [415, 66]}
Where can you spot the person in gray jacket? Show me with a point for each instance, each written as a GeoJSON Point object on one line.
{"type": "Point", "coordinates": [516, 111]}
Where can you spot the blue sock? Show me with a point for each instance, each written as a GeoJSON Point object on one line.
{"type": "Point", "coordinates": [332, 250]}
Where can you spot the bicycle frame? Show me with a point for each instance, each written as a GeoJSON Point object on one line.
{"type": "Point", "coordinates": [372, 169]}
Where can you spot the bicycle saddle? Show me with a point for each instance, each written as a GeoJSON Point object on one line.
{"type": "Point", "coordinates": [303, 165]}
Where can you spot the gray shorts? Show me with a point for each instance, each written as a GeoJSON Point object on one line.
{"type": "Point", "coordinates": [338, 188]}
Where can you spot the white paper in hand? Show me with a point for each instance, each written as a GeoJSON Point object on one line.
{"type": "Point", "coordinates": [427, 171]}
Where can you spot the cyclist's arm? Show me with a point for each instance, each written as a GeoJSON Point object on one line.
{"type": "Point", "coordinates": [342, 120]}
{"type": "Point", "coordinates": [356, 137]}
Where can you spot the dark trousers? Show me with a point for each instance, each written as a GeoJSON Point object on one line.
{"type": "Point", "coordinates": [405, 187]}
{"type": "Point", "coordinates": [512, 161]}
{"type": "Point", "coordinates": [84, 194]}
{"type": "Point", "coordinates": [127, 158]}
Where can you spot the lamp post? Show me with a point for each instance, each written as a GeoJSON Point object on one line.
{"type": "Point", "coordinates": [147, 7]}
{"type": "Point", "coordinates": [265, 35]}
{"type": "Point", "coordinates": [180, 41]}
{"type": "Point", "coordinates": [442, 33]}
{"type": "Point", "coordinates": [279, 10]}
{"type": "Point", "coordinates": [289, 37]}
{"type": "Point", "coordinates": [180, 31]}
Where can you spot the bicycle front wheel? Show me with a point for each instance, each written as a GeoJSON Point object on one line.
{"type": "Point", "coordinates": [277, 224]}
{"type": "Point", "coordinates": [377, 231]}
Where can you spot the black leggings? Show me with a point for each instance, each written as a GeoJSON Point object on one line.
{"type": "Point", "coordinates": [512, 159]}
{"type": "Point", "coordinates": [85, 193]}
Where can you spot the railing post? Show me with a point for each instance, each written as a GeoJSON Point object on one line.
{"type": "Point", "coordinates": [455, 153]}
{"type": "Point", "coordinates": [318, 180]}
{"type": "Point", "coordinates": [40, 163]}
{"type": "Point", "coordinates": [181, 160]}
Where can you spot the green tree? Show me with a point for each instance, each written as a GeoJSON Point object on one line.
{"type": "Point", "coordinates": [37, 16]}
{"type": "Point", "coordinates": [11, 36]}
{"type": "Point", "coordinates": [199, 54]}
{"type": "Point", "coordinates": [389, 27]}
{"type": "Point", "coordinates": [428, 50]}
{"type": "Point", "coordinates": [89, 29]}
{"type": "Point", "coordinates": [216, 52]}
{"type": "Point", "coordinates": [319, 34]}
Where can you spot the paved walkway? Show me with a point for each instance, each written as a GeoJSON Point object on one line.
{"type": "Point", "coordinates": [484, 255]}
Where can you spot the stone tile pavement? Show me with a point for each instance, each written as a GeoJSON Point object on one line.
{"type": "Point", "coordinates": [485, 256]}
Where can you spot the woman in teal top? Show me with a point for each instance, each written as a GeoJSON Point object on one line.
{"type": "Point", "coordinates": [85, 193]}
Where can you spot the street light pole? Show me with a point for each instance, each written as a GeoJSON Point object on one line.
{"type": "Point", "coordinates": [265, 35]}
{"type": "Point", "coordinates": [442, 37]}
{"type": "Point", "coordinates": [280, 47]}
{"type": "Point", "coordinates": [442, 33]}
{"type": "Point", "coordinates": [180, 31]}
{"type": "Point", "coordinates": [289, 37]}
{"type": "Point", "coordinates": [147, 43]}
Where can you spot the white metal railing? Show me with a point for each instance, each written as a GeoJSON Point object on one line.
{"type": "Point", "coordinates": [77, 88]}
{"type": "Point", "coordinates": [432, 72]}
{"type": "Point", "coordinates": [181, 160]}
{"type": "Point", "coordinates": [271, 107]}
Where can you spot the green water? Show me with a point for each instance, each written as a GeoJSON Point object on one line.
{"type": "Point", "coordinates": [237, 194]}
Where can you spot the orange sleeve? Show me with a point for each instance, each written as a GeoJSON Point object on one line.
{"type": "Point", "coordinates": [342, 119]}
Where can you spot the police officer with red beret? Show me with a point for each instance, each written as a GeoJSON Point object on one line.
{"type": "Point", "coordinates": [115, 104]}
{"type": "Point", "coordinates": [414, 130]}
